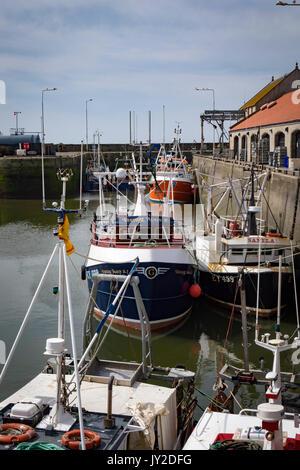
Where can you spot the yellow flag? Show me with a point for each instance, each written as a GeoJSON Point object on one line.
{"type": "Point", "coordinates": [63, 234]}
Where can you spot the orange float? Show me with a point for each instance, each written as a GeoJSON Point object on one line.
{"type": "Point", "coordinates": [195, 291]}
{"type": "Point", "coordinates": [72, 441]}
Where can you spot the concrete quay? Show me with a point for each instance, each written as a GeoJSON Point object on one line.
{"type": "Point", "coordinates": [21, 177]}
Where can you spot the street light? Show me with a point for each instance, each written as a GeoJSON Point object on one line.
{"type": "Point", "coordinates": [43, 139]}
{"type": "Point", "coordinates": [86, 123]}
{"type": "Point", "coordinates": [214, 107]}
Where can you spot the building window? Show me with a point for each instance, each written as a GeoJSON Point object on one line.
{"type": "Point", "coordinates": [280, 139]}
{"type": "Point", "coordinates": [244, 148]}
{"type": "Point", "coordinates": [253, 147]}
{"type": "Point", "coordinates": [236, 147]}
{"type": "Point", "coordinates": [264, 149]}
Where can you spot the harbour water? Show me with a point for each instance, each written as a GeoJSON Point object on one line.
{"type": "Point", "coordinates": [202, 343]}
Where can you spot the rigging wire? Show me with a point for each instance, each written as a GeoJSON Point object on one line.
{"type": "Point", "coordinates": [227, 333]}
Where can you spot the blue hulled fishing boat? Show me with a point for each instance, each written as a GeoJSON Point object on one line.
{"type": "Point", "coordinates": [126, 232]}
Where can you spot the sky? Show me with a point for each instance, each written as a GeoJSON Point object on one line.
{"type": "Point", "coordinates": [138, 56]}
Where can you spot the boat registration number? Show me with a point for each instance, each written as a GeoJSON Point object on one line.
{"type": "Point", "coordinates": [217, 278]}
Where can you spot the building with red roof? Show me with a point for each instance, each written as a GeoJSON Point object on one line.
{"type": "Point", "coordinates": [270, 131]}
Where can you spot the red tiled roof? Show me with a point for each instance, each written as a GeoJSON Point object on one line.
{"type": "Point", "coordinates": [280, 111]}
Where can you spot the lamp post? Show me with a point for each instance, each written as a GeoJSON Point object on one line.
{"type": "Point", "coordinates": [43, 139]}
{"type": "Point", "coordinates": [86, 123]}
{"type": "Point", "coordinates": [214, 107]}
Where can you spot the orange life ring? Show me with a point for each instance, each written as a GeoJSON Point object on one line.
{"type": "Point", "coordinates": [26, 433]}
{"type": "Point", "coordinates": [93, 439]}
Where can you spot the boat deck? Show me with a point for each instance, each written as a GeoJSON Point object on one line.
{"type": "Point", "coordinates": [225, 426]}
{"type": "Point", "coordinates": [111, 438]}
{"type": "Point", "coordinates": [94, 395]}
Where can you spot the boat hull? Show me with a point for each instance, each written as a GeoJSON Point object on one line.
{"type": "Point", "coordinates": [182, 191]}
{"type": "Point", "coordinates": [164, 287]}
{"type": "Point", "coordinates": [222, 288]}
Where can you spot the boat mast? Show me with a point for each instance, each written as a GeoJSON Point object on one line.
{"type": "Point", "coordinates": [251, 217]}
{"type": "Point", "coordinates": [244, 319]}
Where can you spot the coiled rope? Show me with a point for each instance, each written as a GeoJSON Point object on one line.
{"type": "Point", "coordinates": [231, 444]}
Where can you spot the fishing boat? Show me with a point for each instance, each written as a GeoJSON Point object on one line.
{"type": "Point", "coordinates": [270, 426]}
{"type": "Point", "coordinates": [90, 183]}
{"type": "Point", "coordinates": [125, 183]}
{"type": "Point", "coordinates": [121, 234]}
{"type": "Point", "coordinates": [173, 176]}
{"type": "Point", "coordinates": [226, 244]}
{"type": "Point", "coordinates": [97, 163]}
{"type": "Point", "coordinates": [89, 403]}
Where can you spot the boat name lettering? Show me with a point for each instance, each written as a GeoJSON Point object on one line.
{"type": "Point", "coordinates": [182, 272]}
{"type": "Point", "coordinates": [262, 240]}
{"type": "Point", "coordinates": [94, 272]}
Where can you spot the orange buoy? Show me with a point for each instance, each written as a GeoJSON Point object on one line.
{"type": "Point", "coordinates": [195, 291]}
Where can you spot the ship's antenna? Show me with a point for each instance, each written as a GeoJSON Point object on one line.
{"type": "Point", "coordinates": [164, 127]}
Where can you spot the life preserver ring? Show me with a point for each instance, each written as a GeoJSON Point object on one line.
{"type": "Point", "coordinates": [26, 433]}
{"type": "Point", "coordinates": [92, 440]}
{"type": "Point", "coordinates": [273, 235]}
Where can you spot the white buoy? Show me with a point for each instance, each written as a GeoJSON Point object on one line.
{"type": "Point", "coordinates": [121, 173]}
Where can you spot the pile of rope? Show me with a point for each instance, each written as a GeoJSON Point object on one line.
{"type": "Point", "coordinates": [37, 446]}
{"type": "Point", "coordinates": [231, 444]}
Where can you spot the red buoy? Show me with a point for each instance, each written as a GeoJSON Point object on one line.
{"type": "Point", "coordinates": [195, 291]}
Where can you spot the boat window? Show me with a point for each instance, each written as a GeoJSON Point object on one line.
{"type": "Point", "coordinates": [279, 252]}
{"type": "Point", "coordinates": [237, 251]}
